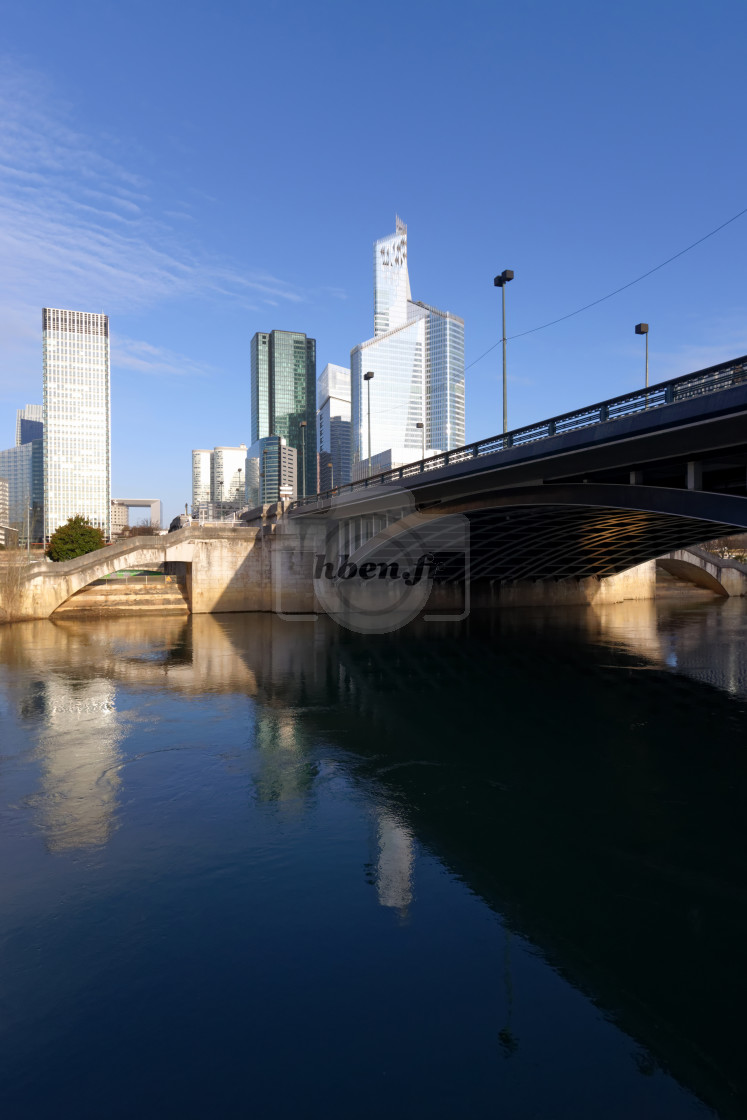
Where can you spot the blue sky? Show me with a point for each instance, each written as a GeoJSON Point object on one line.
{"type": "Point", "coordinates": [202, 171]}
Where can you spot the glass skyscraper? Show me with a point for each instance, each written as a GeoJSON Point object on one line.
{"type": "Point", "coordinates": [77, 418]}
{"type": "Point", "coordinates": [29, 423]}
{"type": "Point", "coordinates": [283, 395]}
{"type": "Point", "coordinates": [270, 471]}
{"type": "Point", "coordinates": [333, 399]}
{"type": "Point", "coordinates": [444, 379]}
{"type": "Point", "coordinates": [23, 468]}
{"type": "Point", "coordinates": [417, 359]}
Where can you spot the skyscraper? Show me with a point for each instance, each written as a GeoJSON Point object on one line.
{"type": "Point", "coordinates": [270, 471]}
{"type": "Point", "coordinates": [283, 392]}
{"type": "Point", "coordinates": [201, 458]}
{"type": "Point", "coordinates": [417, 360]}
{"type": "Point", "coordinates": [22, 467]}
{"type": "Point", "coordinates": [333, 399]}
{"type": "Point", "coordinates": [29, 423]}
{"type": "Point", "coordinates": [227, 475]}
{"type": "Point", "coordinates": [77, 418]}
{"type": "Point", "coordinates": [217, 480]}
{"type": "Point", "coordinates": [444, 379]}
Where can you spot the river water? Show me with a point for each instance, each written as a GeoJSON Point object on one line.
{"type": "Point", "coordinates": [260, 868]}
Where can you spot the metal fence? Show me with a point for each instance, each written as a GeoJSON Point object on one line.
{"type": "Point", "coordinates": [138, 577]}
{"type": "Point", "coordinates": [711, 380]}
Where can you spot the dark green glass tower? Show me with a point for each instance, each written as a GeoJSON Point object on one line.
{"type": "Point", "coordinates": [284, 395]}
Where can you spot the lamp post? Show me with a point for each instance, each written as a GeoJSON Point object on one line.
{"type": "Point", "coordinates": [421, 425]}
{"type": "Point", "coordinates": [238, 490]}
{"type": "Point", "coordinates": [331, 476]}
{"type": "Point", "coordinates": [263, 484]}
{"type": "Point", "coordinates": [303, 458]}
{"type": "Point", "coordinates": [221, 499]}
{"type": "Point", "coordinates": [369, 377]}
{"type": "Point", "coordinates": [500, 282]}
{"type": "Point", "coordinates": [642, 328]}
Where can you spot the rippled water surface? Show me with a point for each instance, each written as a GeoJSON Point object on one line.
{"type": "Point", "coordinates": [260, 868]}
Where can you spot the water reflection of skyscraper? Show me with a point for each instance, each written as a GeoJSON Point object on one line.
{"type": "Point", "coordinates": [394, 863]}
{"type": "Point", "coordinates": [79, 755]}
{"type": "Point", "coordinates": [284, 772]}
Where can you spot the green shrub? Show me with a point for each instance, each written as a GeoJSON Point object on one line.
{"type": "Point", "coordinates": [75, 538]}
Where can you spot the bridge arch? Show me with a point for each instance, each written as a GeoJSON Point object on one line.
{"type": "Point", "coordinates": [47, 586]}
{"type": "Point", "coordinates": [692, 572]}
{"type": "Point", "coordinates": [577, 530]}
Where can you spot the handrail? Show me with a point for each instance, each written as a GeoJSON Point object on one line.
{"type": "Point", "coordinates": [710, 380]}
{"type": "Point", "coordinates": [114, 579]}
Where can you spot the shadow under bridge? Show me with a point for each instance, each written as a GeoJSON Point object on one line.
{"type": "Point", "coordinates": [545, 532]}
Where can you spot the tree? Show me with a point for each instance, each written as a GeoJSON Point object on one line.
{"type": "Point", "coordinates": [143, 528]}
{"type": "Point", "coordinates": [12, 575]}
{"type": "Point", "coordinates": [75, 538]}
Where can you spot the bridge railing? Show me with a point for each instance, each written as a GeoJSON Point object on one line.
{"type": "Point", "coordinates": [710, 380]}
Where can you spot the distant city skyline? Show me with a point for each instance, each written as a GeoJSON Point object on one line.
{"type": "Point", "coordinates": [193, 232]}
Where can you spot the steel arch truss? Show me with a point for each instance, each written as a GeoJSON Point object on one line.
{"type": "Point", "coordinates": [580, 530]}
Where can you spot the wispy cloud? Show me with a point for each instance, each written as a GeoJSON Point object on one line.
{"type": "Point", "coordinates": [135, 354]}
{"type": "Point", "coordinates": [79, 228]}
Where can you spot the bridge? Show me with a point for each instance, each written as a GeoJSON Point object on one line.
{"type": "Point", "coordinates": [565, 508]}
{"type": "Point", "coordinates": [718, 574]}
{"type": "Point", "coordinates": [226, 569]}
{"type": "Point", "coordinates": [588, 494]}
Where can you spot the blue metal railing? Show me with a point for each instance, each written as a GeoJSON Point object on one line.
{"type": "Point", "coordinates": [711, 380]}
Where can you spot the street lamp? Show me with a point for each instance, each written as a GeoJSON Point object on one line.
{"type": "Point", "coordinates": [331, 476]}
{"type": "Point", "coordinates": [368, 377]}
{"type": "Point", "coordinates": [642, 328]}
{"type": "Point", "coordinates": [303, 458]}
{"type": "Point", "coordinates": [221, 499]}
{"type": "Point", "coordinates": [421, 425]}
{"type": "Point", "coordinates": [238, 490]}
{"type": "Point", "coordinates": [500, 282]}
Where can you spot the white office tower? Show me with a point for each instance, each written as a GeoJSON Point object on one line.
{"type": "Point", "coordinates": [444, 379]}
{"type": "Point", "coordinates": [77, 418]}
{"type": "Point", "coordinates": [201, 460]}
{"type": "Point", "coordinates": [29, 424]}
{"type": "Point", "coordinates": [417, 360]}
{"type": "Point", "coordinates": [333, 418]}
{"type": "Point", "coordinates": [227, 476]}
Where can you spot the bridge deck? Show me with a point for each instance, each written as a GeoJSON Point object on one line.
{"type": "Point", "coordinates": [661, 428]}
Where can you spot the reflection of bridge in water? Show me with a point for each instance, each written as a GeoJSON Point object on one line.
{"type": "Point", "coordinates": [600, 814]}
